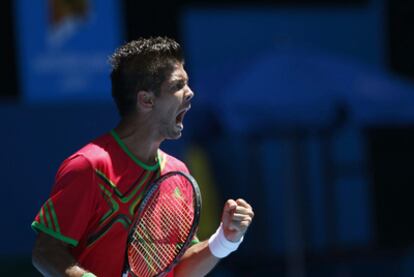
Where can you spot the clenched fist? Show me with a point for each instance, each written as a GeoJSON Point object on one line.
{"type": "Point", "coordinates": [236, 219]}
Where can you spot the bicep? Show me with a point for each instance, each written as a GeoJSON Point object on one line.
{"type": "Point", "coordinates": [51, 256]}
{"type": "Point", "coordinates": [47, 243]}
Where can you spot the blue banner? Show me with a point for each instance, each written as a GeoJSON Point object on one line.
{"type": "Point", "coordinates": [64, 48]}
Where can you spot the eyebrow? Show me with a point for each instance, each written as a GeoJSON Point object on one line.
{"type": "Point", "coordinates": [179, 81]}
{"type": "Point", "coordinates": [180, 78]}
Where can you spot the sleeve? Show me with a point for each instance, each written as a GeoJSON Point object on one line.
{"type": "Point", "coordinates": [70, 208]}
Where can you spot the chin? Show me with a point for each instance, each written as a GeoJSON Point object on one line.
{"type": "Point", "coordinates": [177, 136]}
{"type": "Point", "coordinates": [174, 135]}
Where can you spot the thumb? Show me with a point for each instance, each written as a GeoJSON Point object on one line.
{"type": "Point", "coordinates": [229, 208]}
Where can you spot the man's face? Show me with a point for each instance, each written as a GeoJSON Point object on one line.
{"type": "Point", "coordinates": [173, 103]}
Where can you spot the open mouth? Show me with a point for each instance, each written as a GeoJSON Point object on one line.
{"type": "Point", "coordinates": [180, 117]}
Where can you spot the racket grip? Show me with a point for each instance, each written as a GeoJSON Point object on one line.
{"type": "Point", "coordinates": [219, 246]}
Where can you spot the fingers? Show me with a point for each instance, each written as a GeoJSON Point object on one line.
{"type": "Point", "coordinates": [238, 210]}
{"type": "Point", "coordinates": [243, 211]}
{"type": "Point", "coordinates": [243, 203]}
{"type": "Point", "coordinates": [242, 216]}
{"type": "Point", "coordinates": [240, 226]}
{"type": "Point", "coordinates": [237, 217]}
{"type": "Point", "coordinates": [230, 206]}
{"type": "Point", "coordinates": [228, 211]}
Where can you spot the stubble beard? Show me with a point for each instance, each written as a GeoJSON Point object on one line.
{"type": "Point", "coordinates": [170, 130]}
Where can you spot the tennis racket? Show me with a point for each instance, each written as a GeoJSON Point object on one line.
{"type": "Point", "coordinates": [166, 222]}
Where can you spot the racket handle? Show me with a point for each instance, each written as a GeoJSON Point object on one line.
{"type": "Point", "coordinates": [219, 246]}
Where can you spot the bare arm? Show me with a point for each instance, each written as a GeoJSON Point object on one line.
{"type": "Point", "coordinates": [198, 260]}
{"type": "Point", "coordinates": [52, 257]}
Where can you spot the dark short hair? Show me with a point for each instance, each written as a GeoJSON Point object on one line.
{"type": "Point", "coordinates": [141, 64]}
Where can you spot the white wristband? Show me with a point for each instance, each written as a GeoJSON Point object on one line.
{"type": "Point", "coordinates": [219, 246]}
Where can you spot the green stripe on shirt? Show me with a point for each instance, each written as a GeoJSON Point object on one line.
{"type": "Point", "coordinates": [54, 217]}
{"type": "Point", "coordinates": [40, 227]}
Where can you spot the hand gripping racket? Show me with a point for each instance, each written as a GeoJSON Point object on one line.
{"type": "Point", "coordinates": [166, 222]}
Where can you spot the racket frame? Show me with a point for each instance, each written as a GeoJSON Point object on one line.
{"type": "Point", "coordinates": [147, 196]}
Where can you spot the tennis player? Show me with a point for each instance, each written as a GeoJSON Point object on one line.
{"type": "Point", "coordinates": [83, 226]}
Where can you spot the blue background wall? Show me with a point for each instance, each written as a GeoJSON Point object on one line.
{"type": "Point", "coordinates": [289, 101]}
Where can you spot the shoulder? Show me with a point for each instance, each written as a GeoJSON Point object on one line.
{"type": "Point", "coordinates": [97, 152]}
{"type": "Point", "coordinates": [84, 161]}
{"type": "Point", "coordinates": [170, 163]}
{"type": "Point", "coordinates": [75, 172]}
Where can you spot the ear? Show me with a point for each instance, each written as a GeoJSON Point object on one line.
{"type": "Point", "coordinates": [145, 99]}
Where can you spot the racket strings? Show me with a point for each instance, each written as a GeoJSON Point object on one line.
{"type": "Point", "coordinates": [146, 243]}
{"type": "Point", "coordinates": [152, 264]}
{"type": "Point", "coordinates": [166, 218]}
{"type": "Point", "coordinates": [147, 256]}
{"type": "Point", "coordinates": [164, 247]}
{"type": "Point", "coordinates": [167, 215]}
{"type": "Point", "coordinates": [156, 256]}
{"type": "Point", "coordinates": [162, 230]}
{"type": "Point", "coordinates": [177, 217]}
{"type": "Point", "coordinates": [150, 250]}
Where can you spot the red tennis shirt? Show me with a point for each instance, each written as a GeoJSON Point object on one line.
{"type": "Point", "coordinates": [95, 196]}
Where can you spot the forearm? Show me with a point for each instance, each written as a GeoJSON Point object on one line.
{"type": "Point", "coordinates": [197, 261]}
{"type": "Point", "coordinates": [201, 258]}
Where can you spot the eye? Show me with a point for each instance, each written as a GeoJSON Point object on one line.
{"type": "Point", "coordinates": [179, 85]}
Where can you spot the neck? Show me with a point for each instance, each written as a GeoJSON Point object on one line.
{"type": "Point", "coordinates": [140, 139]}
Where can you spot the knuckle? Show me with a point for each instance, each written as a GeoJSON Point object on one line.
{"type": "Point", "coordinates": [244, 224]}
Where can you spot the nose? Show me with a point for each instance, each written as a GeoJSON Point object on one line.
{"type": "Point", "coordinates": [189, 94]}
